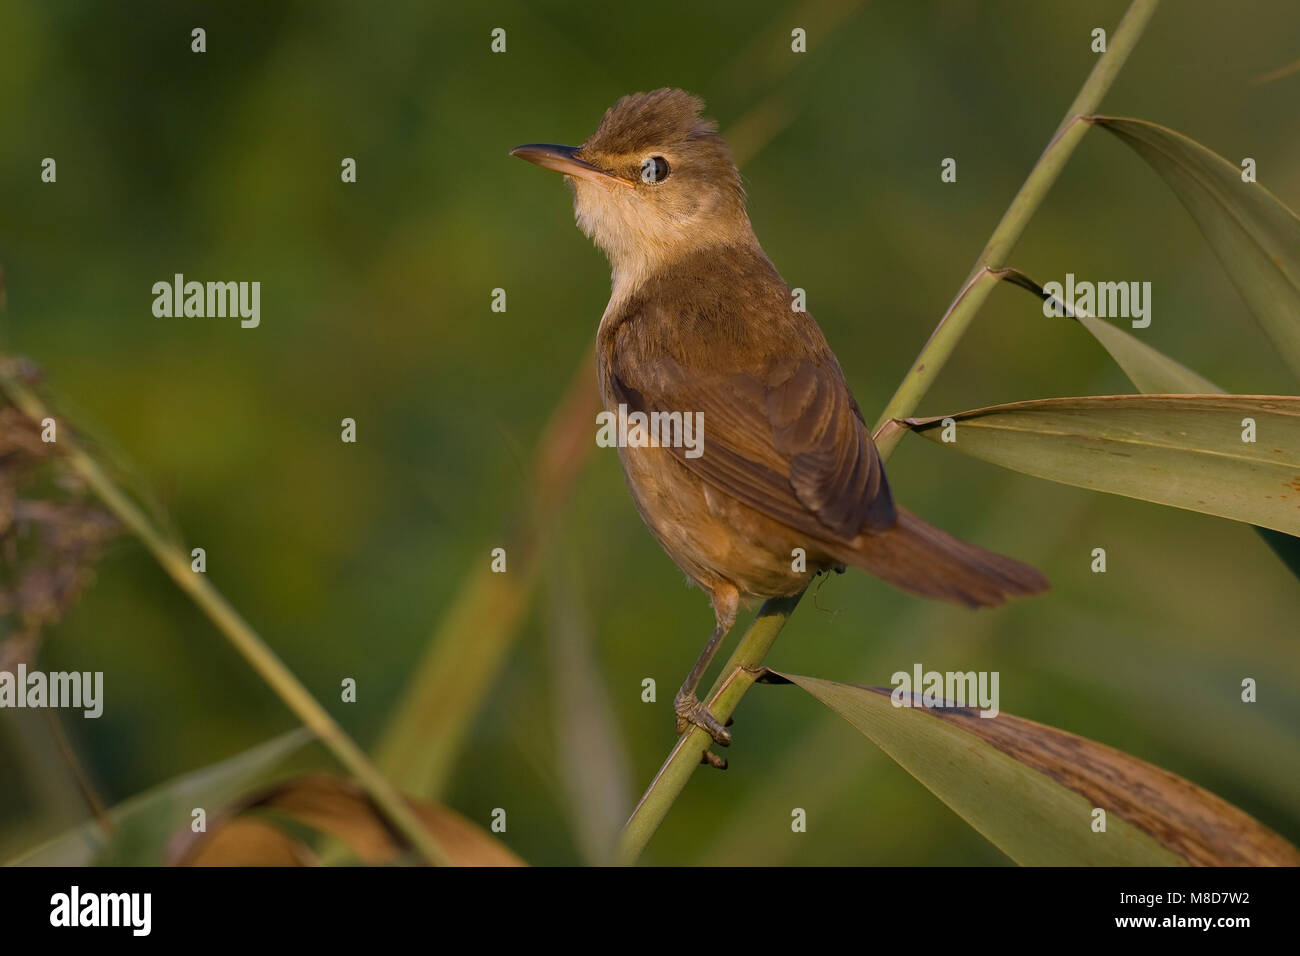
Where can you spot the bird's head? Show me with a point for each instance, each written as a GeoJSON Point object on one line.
{"type": "Point", "coordinates": [654, 183]}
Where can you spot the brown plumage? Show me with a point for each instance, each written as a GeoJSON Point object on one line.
{"type": "Point", "coordinates": [699, 320]}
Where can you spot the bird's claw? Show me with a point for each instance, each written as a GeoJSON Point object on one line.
{"type": "Point", "coordinates": [713, 760]}
{"type": "Point", "coordinates": [691, 712]}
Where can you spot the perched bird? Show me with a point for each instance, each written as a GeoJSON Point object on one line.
{"type": "Point", "coordinates": [699, 320]}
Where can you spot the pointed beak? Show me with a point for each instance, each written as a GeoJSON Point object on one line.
{"type": "Point", "coordinates": [564, 159]}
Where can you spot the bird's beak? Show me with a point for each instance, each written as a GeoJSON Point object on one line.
{"type": "Point", "coordinates": [564, 159]}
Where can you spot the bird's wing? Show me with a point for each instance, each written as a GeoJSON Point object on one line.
{"type": "Point", "coordinates": [785, 438]}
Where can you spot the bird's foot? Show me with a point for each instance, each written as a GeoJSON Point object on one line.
{"type": "Point", "coordinates": [691, 712]}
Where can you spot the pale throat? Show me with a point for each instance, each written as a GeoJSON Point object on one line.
{"type": "Point", "coordinates": [640, 242]}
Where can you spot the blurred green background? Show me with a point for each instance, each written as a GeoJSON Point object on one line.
{"type": "Point", "coordinates": [376, 306]}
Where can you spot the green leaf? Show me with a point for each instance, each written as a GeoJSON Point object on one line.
{"type": "Point", "coordinates": [1255, 236]}
{"type": "Point", "coordinates": [1032, 790]}
{"type": "Point", "coordinates": [1149, 369]}
{"type": "Point", "coordinates": [144, 823]}
{"type": "Point", "coordinates": [1153, 372]}
{"type": "Point", "coordinates": [1184, 451]}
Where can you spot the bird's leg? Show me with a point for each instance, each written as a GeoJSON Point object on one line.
{"type": "Point", "coordinates": [689, 709]}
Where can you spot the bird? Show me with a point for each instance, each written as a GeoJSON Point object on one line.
{"type": "Point", "coordinates": [700, 322]}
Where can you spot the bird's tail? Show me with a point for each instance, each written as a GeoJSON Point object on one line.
{"type": "Point", "coordinates": [918, 557]}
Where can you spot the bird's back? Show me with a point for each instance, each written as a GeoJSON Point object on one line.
{"type": "Point", "coordinates": [719, 311]}
{"type": "Point", "coordinates": [788, 465]}
{"type": "Point", "coordinates": [718, 335]}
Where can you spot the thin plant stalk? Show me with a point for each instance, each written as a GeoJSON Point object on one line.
{"type": "Point", "coordinates": [79, 775]}
{"type": "Point", "coordinates": [236, 630]}
{"type": "Point", "coordinates": [746, 663]}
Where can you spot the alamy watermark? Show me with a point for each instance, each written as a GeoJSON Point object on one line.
{"type": "Point", "coordinates": [76, 690]}
{"type": "Point", "coordinates": [624, 429]}
{"type": "Point", "coordinates": [181, 299]}
{"type": "Point", "coordinates": [922, 688]}
{"type": "Point", "coordinates": [133, 911]}
{"type": "Point", "coordinates": [1101, 300]}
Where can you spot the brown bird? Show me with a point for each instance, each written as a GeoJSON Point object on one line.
{"type": "Point", "coordinates": [700, 321]}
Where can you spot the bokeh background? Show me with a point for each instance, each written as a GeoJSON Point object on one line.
{"type": "Point", "coordinates": [376, 306]}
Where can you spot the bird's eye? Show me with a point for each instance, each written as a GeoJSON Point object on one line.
{"type": "Point", "coordinates": [654, 169]}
